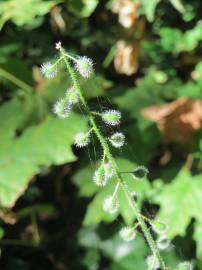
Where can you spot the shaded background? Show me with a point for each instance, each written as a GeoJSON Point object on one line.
{"type": "Point", "coordinates": [148, 65]}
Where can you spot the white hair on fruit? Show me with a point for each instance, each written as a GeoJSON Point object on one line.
{"type": "Point", "coordinates": [62, 108]}
{"type": "Point", "coordinates": [84, 66]}
{"type": "Point", "coordinates": [72, 95]}
{"type": "Point", "coordinates": [110, 204]}
{"type": "Point", "coordinates": [48, 70]}
{"type": "Point", "coordinates": [127, 233]}
{"type": "Point", "coordinates": [82, 139]}
{"type": "Point", "coordinates": [111, 117]}
{"type": "Point", "coordinates": [117, 139]}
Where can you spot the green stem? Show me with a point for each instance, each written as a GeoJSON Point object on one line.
{"type": "Point", "coordinates": [36, 235]}
{"type": "Point", "coordinates": [15, 80]}
{"type": "Point", "coordinates": [16, 242]}
{"type": "Point", "coordinates": [89, 131]}
{"type": "Point", "coordinates": [116, 190]}
{"type": "Point", "coordinates": [71, 57]}
{"type": "Point", "coordinates": [56, 63]}
{"type": "Point", "coordinates": [113, 163]}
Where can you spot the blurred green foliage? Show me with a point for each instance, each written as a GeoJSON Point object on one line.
{"type": "Point", "coordinates": [27, 13]}
{"type": "Point", "coordinates": [43, 176]}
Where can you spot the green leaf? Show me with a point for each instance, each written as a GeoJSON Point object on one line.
{"type": "Point", "coordinates": [83, 180]}
{"type": "Point", "coordinates": [89, 7]}
{"type": "Point", "coordinates": [95, 86]}
{"type": "Point", "coordinates": [36, 209]}
{"type": "Point", "coordinates": [9, 48]}
{"type": "Point", "coordinates": [19, 70]}
{"type": "Point", "coordinates": [126, 255]}
{"type": "Point", "coordinates": [1, 233]}
{"type": "Point", "coordinates": [95, 213]}
{"type": "Point", "coordinates": [149, 8]}
{"type": "Point", "coordinates": [123, 255]}
{"type": "Point", "coordinates": [198, 238]}
{"type": "Point", "coordinates": [140, 97]}
{"type": "Point", "coordinates": [190, 89]}
{"type": "Point", "coordinates": [27, 12]}
{"type": "Point", "coordinates": [178, 5]}
{"type": "Point", "coordinates": [88, 238]}
{"type": "Point", "coordinates": [174, 40]}
{"type": "Point", "coordinates": [48, 143]}
{"type": "Point", "coordinates": [83, 8]}
{"type": "Point", "coordinates": [179, 202]}
{"type": "Point", "coordinates": [91, 259]}
{"type": "Point", "coordinates": [142, 135]}
{"type": "Point", "coordinates": [132, 255]}
{"type": "Point", "coordinates": [10, 117]}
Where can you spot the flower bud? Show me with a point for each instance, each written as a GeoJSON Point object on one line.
{"type": "Point", "coordinates": [62, 108]}
{"type": "Point", "coordinates": [82, 139]}
{"type": "Point", "coordinates": [84, 66]}
{"type": "Point", "coordinates": [117, 139]}
{"type": "Point", "coordinates": [111, 117]}
{"type": "Point", "coordinates": [127, 233]}
{"type": "Point", "coordinates": [72, 95]}
{"type": "Point", "coordinates": [48, 70]}
{"type": "Point", "coordinates": [110, 204]}
{"type": "Point", "coordinates": [163, 242]}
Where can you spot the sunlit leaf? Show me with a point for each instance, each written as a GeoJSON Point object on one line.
{"type": "Point", "coordinates": [185, 192]}
{"type": "Point", "coordinates": [149, 8]}
{"type": "Point", "coordinates": [25, 13]}
{"type": "Point", "coordinates": [48, 143]}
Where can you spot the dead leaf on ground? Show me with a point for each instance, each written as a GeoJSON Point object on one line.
{"type": "Point", "coordinates": [126, 57]}
{"type": "Point", "coordinates": [178, 120]}
{"type": "Point", "coordinates": [127, 11]}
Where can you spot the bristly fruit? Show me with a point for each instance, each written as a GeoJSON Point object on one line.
{"type": "Point", "coordinates": [103, 174]}
{"type": "Point", "coordinates": [82, 139]}
{"type": "Point", "coordinates": [72, 95]}
{"type": "Point", "coordinates": [84, 66]}
{"type": "Point", "coordinates": [110, 204]}
{"type": "Point", "coordinates": [62, 108]}
{"type": "Point", "coordinates": [162, 242]}
{"type": "Point", "coordinates": [140, 172]}
{"type": "Point", "coordinates": [111, 117]}
{"type": "Point", "coordinates": [127, 233]}
{"type": "Point", "coordinates": [99, 176]}
{"type": "Point", "coordinates": [117, 139]}
{"type": "Point", "coordinates": [108, 170]}
{"type": "Point", "coordinates": [48, 70]}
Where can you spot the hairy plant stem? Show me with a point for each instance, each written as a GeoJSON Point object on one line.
{"type": "Point", "coordinates": [113, 163]}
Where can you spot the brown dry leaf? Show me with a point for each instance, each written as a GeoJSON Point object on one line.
{"type": "Point", "coordinates": [57, 20]}
{"type": "Point", "coordinates": [127, 11]}
{"type": "Point", "coordinates": [126, 58]}
{"type": "Point", "coordinates": [8, 217]}
{"type": "Point", "coordinates": [178, 120]}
